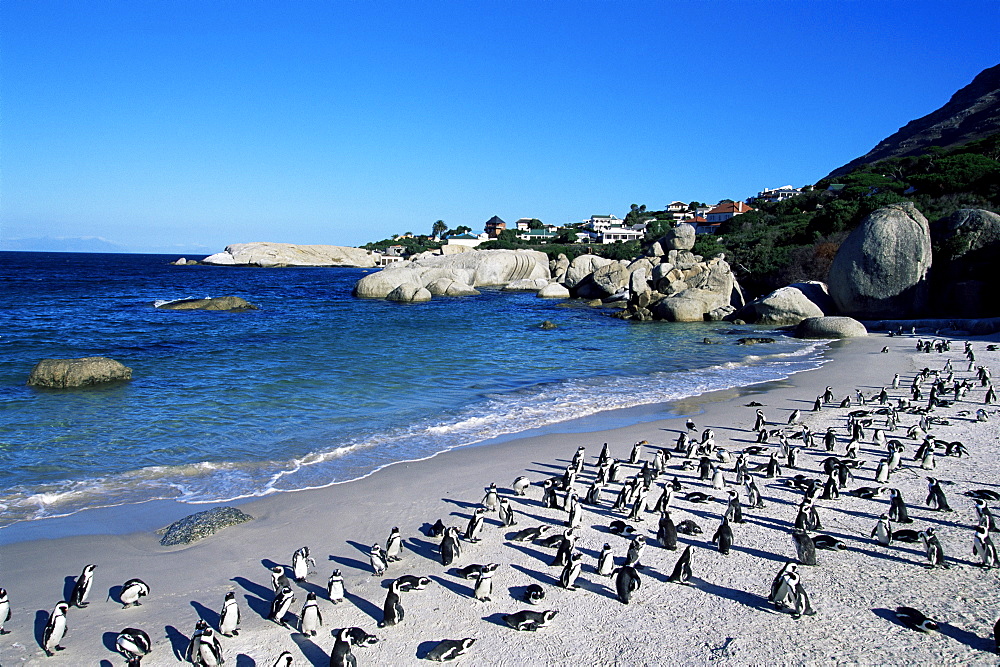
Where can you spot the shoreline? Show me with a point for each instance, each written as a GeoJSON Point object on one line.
{"type": "Point", "coordinates": [339, 522]}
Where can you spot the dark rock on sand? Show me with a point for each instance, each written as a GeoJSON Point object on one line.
{"type": "Point", "coordinates": [82, 372]}
{"type": "Point", "coordinates": [202, 524]}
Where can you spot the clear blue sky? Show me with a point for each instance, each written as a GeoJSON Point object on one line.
{"type": "Point", "coordinates": [164, 123]}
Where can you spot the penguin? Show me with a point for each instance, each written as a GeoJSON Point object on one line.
{"type": "Point", "coordinates": [520, 486]}
{"type": "Point", "coordinates": [627, 582]}
{"type": "Point", "coordinates": [804, 547]}
{"type": "Point", "coordinates": [794, 417]}
{"type": "Point", "coordinates": [534, 594]}
{"type": "Point", "coordinates": [897, 507]}
{"type": "Point", "coordinates": [682, 569]}
{"type": "Point", "coordinates": [301, 560]}
{"type": "Point", "coordinates": [697, 497]}
{"type": "Point", "coordinates": [55, 629]}
{"type": "Point", "coordinates": [906, 535]}
{"type": "Point", "coordinates": [723, 537]}
{"type": "Point", "coordinates": [828, 543]}
{"type": "Point", "coordinates": [773, 469]}
{"type": "Point", "coordinates": [636, 453]}
{"type": "Point", "coordinates": [635, 549]}
{"type": "Point", "coordinates": [760, 422]}
{"type": "Point", "coordinates": [310, 618]}
{"type": "Point", "coordinates": [666, 532]}
{"type": "Point", "coordinates": [915, 620]}
{"type": "Point", "coordinates": [359, 637]}
{"type": "Point", "coordinates": [619, 527]}
{"type": "Point", "coordinates": [484, 583]}
{"type": "Point", "coordinates": [603, 457]}
{"type": "Point", "coordinates": [846, 403]}
{"type": "Point", "coordinates": [410, 582]}
{"type": "Point", "coordinates": [985, 516]}
{"type": "Point", "coordinates": [575, 510]}
{"type": "Point", "coordinates": [393, 546]}
{"type": "Point", "coordinates": [491, 499]}
{"type": "Point", "coordinates": [449, 649]}
{"type": "Point", "coordinates": [81, 589]}
{"type": "Point", "coordinates": [984, 548]}
{"type": "Point", "coordinates": [280, 605]}
{"type": "Point", "coordinates": [754, 499]}
{"type": "Point", "coordinates": [571, 571]}
{"type": "Point", "coordinates": [983, 494]}
{"type": "Point", "coordinates": [529, 534]}
{"type": "Point", "coordinates": [377, 559]}
{"type": "Point", "coordinates": [818, 404]}
{"type": "Point", "coordinates": [392, 610]}
{"type": "Point", "coordinates": [4, 610]}
{"type": "Point", "coordinates": [614, 470]}
{"type": "Point", "coordinates": [777, 593]}
{"type": "Point", "coordinates": [134, 644]}
{"type": "Point", "coordinates": [229, 617]}
{"type": "Point", "coordinates": [341, 655]}
{"type": "Point", "coordinates": [830, 439]}
{"type": "Point", "coordinates": [335, 587]}
{"type": "Point", "coordinates": [932, 547]}
{"type": "Point", "coordinates": [476, 523]}
{"type": "Point", "coordinates": [278, 578]}
{"type": "Point", "coordinates": [718, 480]}
{"type": "Point", "coordinates": [450, 547]}
{"type": "Point", "coordinates": [895, 381]}
{"type": "Point", "coordinates": [638, 506]}
{"type": "Point", "coordinates": [882, 471]}
{"type": "Point", "coordinates": [883, 531]}
{"type": "Point", "coordinates": [286, 659]}
{"type": "Point", "coordinates": [565, 550]}
{"type": "Point", "coordinates": [209, 649]}
{"type": "Point", "coordinates": [689, 527]}
{"type": "Point", "coordinates": [506, 513]}
{"type": "Point", "coordinates": [936, 499]}
{"type": "Point", "coordinates": [528, 620]}
{"type": "Point", "coordinates": [828, 395]}
{"type": "Point", "coordinates": [605, 561]}
{"type": "Point", "coordinates": [437, 530]}
{"type": "Point", "coordinates": [193, 652]}
{"type": "Point", "coordinates": [132, 590]}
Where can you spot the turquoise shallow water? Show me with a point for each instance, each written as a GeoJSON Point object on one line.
{"type": "Point", "coordinates": [314, 388]}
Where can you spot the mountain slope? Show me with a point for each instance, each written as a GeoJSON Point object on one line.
{"type": "Point", "coordinates": [972, 113]}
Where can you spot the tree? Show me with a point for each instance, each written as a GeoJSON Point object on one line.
{"type": "Point", "coordinates": [438, 228]}
{"type": "Point", "coordinates": [461, 229]}
{"type": "Point", "coordinates": [535, 223]}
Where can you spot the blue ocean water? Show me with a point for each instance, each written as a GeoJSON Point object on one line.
{"type": "Point", "coordinates": [315, 388]}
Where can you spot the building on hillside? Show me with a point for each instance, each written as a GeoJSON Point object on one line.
{"type": "Point", "coordinates": [702, 226]}
{"type": "Point", "coordinates": [622, 234]}
{"type": "Point", "coordinates": [677, 207]}
{"type": "Point", "coordinates": [598, 223]}
{"type": "Point", "coordinates": [467, 240]}
{"type": "Point", "coordinates": [494, 226]}
{"type": "Point", "coordinates": [779, 194]}
{"type": "Point", "coordinates": [726, 210]}
{"type": "Point", "coordinates": [543, 235]}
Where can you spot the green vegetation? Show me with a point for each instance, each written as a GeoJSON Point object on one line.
{"type": "Point", "coordinates": [411, 245]}
{"type": "Point", "coordinates": [796, 239]}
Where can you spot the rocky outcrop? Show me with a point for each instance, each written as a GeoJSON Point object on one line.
{"type": "Point", "coordinates": [582, 267]}
{"type": "Point", "coordinates": [447, 287]}
{"type": "Point", "coordinates": [554, 291]}
{"type": "Point", "coordinates": [830, 327]}
{"type": "Point", "coordinates": [481, 268]}
{"type": "Point", "coordinates": [965, 281]}
{"type": "Point", "coordinates": [287, 254]}
{"type": "Point", "coordinates": [680, 287]}
{"type": "Point", "coordinates": [679, 237]}
{"type": "Point", "coordinates": [790, 305]}
{"type": "Point", "coordinates": [82, 372]}
{"type": "Point", "coordinates": [229, 303]}
{"type": "Point", "coordinates": [881, 269]}
{"type": "Point", "coordinates": [409, 293]}
{"type": "Point", "coordinates": [202, 524]}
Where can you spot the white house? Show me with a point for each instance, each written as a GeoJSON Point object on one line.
{"type": "Point", "coordinates": [599, 223]}
{"type": "Point", "coordinates": [467, 240]}
{"type": "Point", "coordinates": [779, 194]}
{"type": "Point", "coordinates": [616, 234]}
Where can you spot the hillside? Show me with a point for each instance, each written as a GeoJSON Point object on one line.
{"type": "Point", "coordinates": [972, 113]}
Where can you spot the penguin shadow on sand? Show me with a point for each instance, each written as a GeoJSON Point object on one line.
{"type": "Point", "coordinates": [258, 597]}
{"type": "Point", "coordinates": [105, 663]}
{"type": "Point", "coordinates": [745, 598]}
{"type": "Point", "coordinates": [364, 606]}
{"type": "Point", "coordinates": [115, 592]}
{"type": "Point", "coordinates": [462, 504]}
{"type": "Point", "coordinates": [534, 553]}
{"type": "Point", "coordinates": [178, 641]}
{"type": "Point", "coordinates": [310, 651]}
{"type": "Point", "coordinates": [353, 562]}
{"type": "Point", "coordinates": [495, 619]}
{"type": "Point", "coordinates": [423, 548]}
{"type": "Point", "coordinates": [453, 586]}
{"type": "Point", "coordinates": [110, 639]}
{"type": "Point", "coordinates": [210, 616]}
{"type": "Point", "coordinates": [243, 660]}
{"type": "Point", "coordinates": [41, 620]}
{"type": "Point", "coordinates": [887, 555]}
{"type": "Point", "coordinates": [540, 577]}
{"type": "Point", "coordinates": [68, 585]}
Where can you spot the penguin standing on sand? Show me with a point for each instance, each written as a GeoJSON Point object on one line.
{"type": "Point", "coordinates": [604, 456]}
{"type": "Point", "coordinates": [682, 569]}
{"type": "Point", "coordinates": [132, 591]}
{"type": "Point", "coordinates": [55, 629]}
{"type": "Point", "coordinates": [605, 561]}
{"type": "Point", "coordinates": [830, 439]}
{"type": "Point", "coordinates": [341, 655]}
{"type": "Point", "coordinates": [754, 499]}
{"type": "Point", "coordinates": [450, 547]}
{"type": "Point", "coordinates": [985, 516]}
{"type": "Point", "coordinates": [280, 605]}
{"type": "Point", "coordinates": [666, 532]}
{"type": "Point", "coordinates": [394, 546]}
{"type": "Point", "coordinates": [506, 513]}
{"type": "Point", "coordinates": [932, 547]}
{"type": "Point", "coordinates": [492, 497]}
{"type": "Point", "coordinates": [81, 589]}
{"type": "Point", "coordinates": [209, 649]}
{"type": "Point", "coordinates": [804, 547]}
{"type": "Point", "coordinates": [571, 571]}
{"type": "Point", "coordinates": [984, 548]}
{"type": "Point", "coordinates": [335, 587]}
{"type": "Point", "coordinates": [310, 619]}
{"type": "Point", "coordinates": [828, 395]}
{"type": "Point", "coordinates": [936, 499]}
{"type": "Point", "coordinates": [483, 589]}
{"type": "Point", "coordinates": [475, 527]}
{"type": "Point", "coordinates": [883, 531]}
{"type": "Point", "coordinates": [723, 536]}
{"type": "Point", "coordinates": [627, 582]}
{"type": "Point", "coordinates": [897, 507]}
{"type": "Point", "coordinates": [377, 559]}
{"type": "Point", "coordinates": [520, 485]}
{"type": "Point", "coordinates": [565, 550]}
{"type": "Point", "coordinates": [635, 549]}
{"type": "Point", "coordinates": [760, 422]}
{"type": "Point", "coordinates": [134, 644]}
{"type": "Point", "coordinates": [4, 610]}
{"type": "Point", "coordinates": [278, 578]}
{"type": "Point", "coordinates": [301, 560]}
{"type": "Point", "coordinates": [193, 652]}
{"type": "Point", "coordinates": [392, 610]}
{"type": "Point", "coordinates": [229, 617]}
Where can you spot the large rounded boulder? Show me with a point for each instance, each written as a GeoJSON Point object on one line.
{"type": "Point", "coordinates": [81, 372]}
{"type": "Point", "coordinates": [965, 282]}
{"type": "Point", "coordinates": [830, 327]}
{"type": "Point", "coordinates": [679, 237]}
{"type": "Point", "coordinates": [881, 269]}
{"type": "Point", "coordinates": [790, 304]}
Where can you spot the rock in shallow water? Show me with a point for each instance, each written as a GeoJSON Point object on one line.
{"type": "Point", "coordinates": [202, 524]}
{"type": "Point", "coordinates": [82, 372]}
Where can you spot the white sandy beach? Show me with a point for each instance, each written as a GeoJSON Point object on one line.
{"type": "Point", "coordinates": [722, 618]}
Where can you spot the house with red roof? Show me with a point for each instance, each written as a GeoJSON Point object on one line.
{"type": "Point", "coordinates": [725, 211]}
